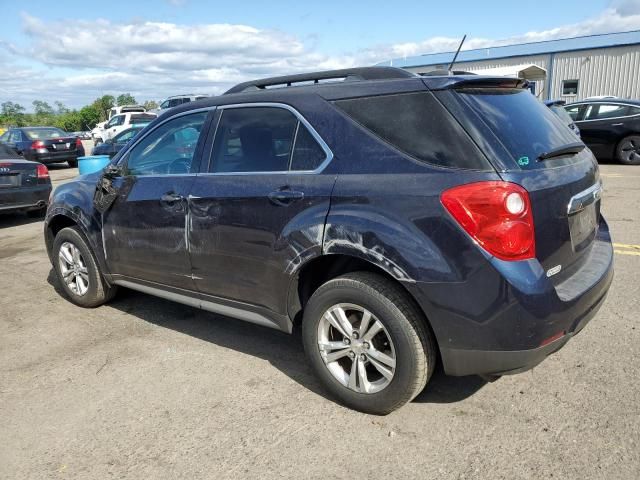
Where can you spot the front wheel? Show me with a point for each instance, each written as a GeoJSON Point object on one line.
{"type": "Point", "coordinates": [368, 342]}
{"type": "Point", "coordinates": [628, 150]}
{"type": "Point", "coordinates": [77, 270]}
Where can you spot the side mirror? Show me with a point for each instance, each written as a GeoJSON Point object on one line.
{"type": "Point", "coordinates": [108, 140]}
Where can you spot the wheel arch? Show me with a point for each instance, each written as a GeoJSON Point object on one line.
{"type": "Point", "coordinates": [60, 218]}
{"type": "Point", "coordinates": [323, 268]}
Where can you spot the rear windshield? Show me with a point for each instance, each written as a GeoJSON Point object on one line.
{"type": "Point", "coordinates": [524, 125]}
{"type": "Point", "coordinates": [41, 133]}
{"type": "Point", "coordinates": [142, 118]}
{"type": "Point", "coordinates": [561, 113]}
{"type": "Point", "coordinates": [418, 125]}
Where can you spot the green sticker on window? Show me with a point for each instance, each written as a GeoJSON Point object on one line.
{"type": "Point", "coordinates": [523, 161]}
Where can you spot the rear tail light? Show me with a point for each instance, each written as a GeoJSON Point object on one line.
{"type": "Point", "coordinates": [495, 214]}
{"type": "Point", "coordinates": [42, 171]}
{"type": "Point", "coordinates": [78, 142]}
{"type": "Point", "coordinates": [37, 144]}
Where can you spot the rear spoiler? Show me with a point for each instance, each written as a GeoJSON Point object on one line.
{"type": "Point", "coordinates": [474, 81]}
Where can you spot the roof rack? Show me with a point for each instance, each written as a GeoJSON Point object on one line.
{"type": "Point", "coordinates": [348, 74]}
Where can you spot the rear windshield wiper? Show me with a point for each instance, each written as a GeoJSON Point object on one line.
{"type": "Point", "coordinates": [570, 148]}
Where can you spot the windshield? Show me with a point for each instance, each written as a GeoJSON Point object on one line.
{"type": "Point", "coordinates": [523, 124]}
{"type": "Point", "coordinates": [41, 133]}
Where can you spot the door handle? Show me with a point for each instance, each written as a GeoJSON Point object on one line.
{"type": "Point", "coordinates": [171, 198]}
{"type": "Point", "coordinates": [285, 196]}
{"type": "Point", "coordinates": [617, 124]}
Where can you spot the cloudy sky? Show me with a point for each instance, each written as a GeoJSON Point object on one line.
{"type": "Point", "coordinates": [75, 51]}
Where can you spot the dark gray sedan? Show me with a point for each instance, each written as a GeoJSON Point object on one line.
{"type": "Point", "coordinates": [609, 127]}
{"type": "Point", "coordinates": [24, 185]}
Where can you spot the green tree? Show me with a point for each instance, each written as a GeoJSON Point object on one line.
{"type": "Point", "coordinates": [125, 99]}
{"type": "Point", "coordinates": [150, 105]}
{"type": "Point", "coordinates": [43, 113]}
{"type": "Point", "coordinates": [68, 121]}
{"type": "Point", "coordinates": [88, 117]}
{"type": "Point", "coordinates": [60, 108]}
{"type": "Point", "coordinates": [12, 114]}
{"type": "Point", "coordinates": [42, 108]}
{"type": "Point", "coordinates": [103, 105]}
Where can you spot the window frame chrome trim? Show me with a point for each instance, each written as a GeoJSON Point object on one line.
{"type": "Point", "coordinates": [301, 119]}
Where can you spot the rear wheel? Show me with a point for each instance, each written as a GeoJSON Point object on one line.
{"type": "Point", "coordinates": [78, 271]}
{"type": "Point", "coordinates": [73, 163]}
{"type": "Point", "coordinates": [628, 150]}
{"type": "Point", "coordinates": [367, 342]}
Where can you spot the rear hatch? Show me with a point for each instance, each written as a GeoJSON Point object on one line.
{"type": "Point", "coordinates": [529, 145]}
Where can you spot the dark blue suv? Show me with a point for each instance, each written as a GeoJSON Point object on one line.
{"type": "Point", "coordinates": [400, 220]}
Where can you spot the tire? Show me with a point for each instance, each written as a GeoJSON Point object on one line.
{"type": "Point", "coordinates": [73, 163]}
{"type": "Point", "coordinates": [405, 338]}
{"type": "Point", "coordinates": [97, 291]}
{"type": "Point", "coordinates": [628, 150]}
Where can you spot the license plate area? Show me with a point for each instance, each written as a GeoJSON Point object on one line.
{"type": "Point", "coordinates": [11, 180]}
{"type": "Point", "coordinates": [583, 225]}
{"type": "Point", "coordinates": [60, 146]}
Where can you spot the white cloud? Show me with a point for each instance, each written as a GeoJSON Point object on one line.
{"type": "Point", "coordinates": [76, 62]}
{"type": "Point", "coordinates": [621, 16]}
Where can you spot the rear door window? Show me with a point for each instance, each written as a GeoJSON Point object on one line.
{"type": "Point", "coordinates": [307, 153]}
{"type": "Point", "coordinates": [417, 125]}
{"type": "Point", "coordinates": [15, 137]}
{"type": "Point", "coordinates": [264, 139]}
{"type": "Point", "coordinates": [523, 124]}
{"type": "Point", "coordinates": [605, 111]}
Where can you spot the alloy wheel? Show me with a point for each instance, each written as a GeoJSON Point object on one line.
{"type": "Point", "coordinates": [631, 150]}
{"type": "Point", "coordinates": [356, 348]}
{"type": "Point", "coordinates": [73, 268]}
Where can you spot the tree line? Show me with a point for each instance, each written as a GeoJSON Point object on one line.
{"type": "Point", "coordinates": [70, 120]}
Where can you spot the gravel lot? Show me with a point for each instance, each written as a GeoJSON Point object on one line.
{"type": "Point", "coordinates": [148, 389]}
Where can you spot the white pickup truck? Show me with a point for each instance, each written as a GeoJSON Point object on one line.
{"type": "Point", "coordinates": [121, 118]}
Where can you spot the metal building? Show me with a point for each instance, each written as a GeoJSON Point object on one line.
{"type": "Point", "coordinates": [569, 69]}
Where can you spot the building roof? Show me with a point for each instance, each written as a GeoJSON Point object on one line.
{"type": "Point", "coordinates": [536, 48]}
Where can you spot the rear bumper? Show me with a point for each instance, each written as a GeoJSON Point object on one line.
{"type": "Point", "coordinates": [53, 157]}
{"type": "Point", "coordinates": [508, 317]}
{"type": "Point", "coordinates": [28, 198]}
{"type": "Point", "coordinates": [505, 362]}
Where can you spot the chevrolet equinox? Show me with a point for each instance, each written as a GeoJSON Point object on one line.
{"type": "Point", "coordinates": [399, 220]}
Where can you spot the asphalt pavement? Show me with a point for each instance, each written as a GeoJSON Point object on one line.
{"type": "Point", "coordinates": [144, 388]}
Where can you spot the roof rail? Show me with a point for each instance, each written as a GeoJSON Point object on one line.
{"type": "Point", "coordinates": [348, 74]}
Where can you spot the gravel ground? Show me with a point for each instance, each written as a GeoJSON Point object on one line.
{"type": "Point", "coordinates": [146, 389]}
